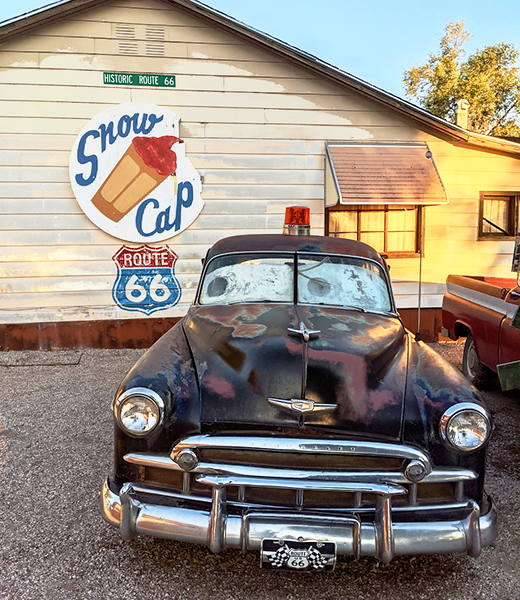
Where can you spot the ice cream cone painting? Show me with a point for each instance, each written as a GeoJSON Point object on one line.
{"type": "Point", "coordinates": [131, 177]}
{"type": "Point", "coordinates": [146, 164]}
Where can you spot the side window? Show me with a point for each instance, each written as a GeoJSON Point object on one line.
{"type": "Point", "coordinates": [498, 215]}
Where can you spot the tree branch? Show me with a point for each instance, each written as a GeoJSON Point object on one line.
{"type": "Point", "coordinates": [501, 119]}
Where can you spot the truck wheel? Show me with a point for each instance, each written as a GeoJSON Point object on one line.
{"type": "Point", "coordinates": [479, 375]}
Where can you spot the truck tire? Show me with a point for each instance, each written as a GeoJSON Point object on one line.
{"type": "Point", "coordinates": [479, 375]}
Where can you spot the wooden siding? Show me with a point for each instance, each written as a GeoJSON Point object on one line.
{"type": "Point", "coordinates": [255, 128]}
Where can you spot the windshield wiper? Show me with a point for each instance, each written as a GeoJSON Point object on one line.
{"type": "Point", "coordinates": [356, 308]}
{"type": "Point", "coordinates": [259, 301]}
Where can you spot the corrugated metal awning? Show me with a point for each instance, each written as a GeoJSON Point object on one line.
{"type": "Point", "coordinates": [361, 173]}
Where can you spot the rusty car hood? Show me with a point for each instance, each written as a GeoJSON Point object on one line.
{"type": "Point", "coordinates": [353, 362]}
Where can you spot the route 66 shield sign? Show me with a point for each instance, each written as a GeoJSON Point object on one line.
{"type": "Point", "coordinates": [146, 280]}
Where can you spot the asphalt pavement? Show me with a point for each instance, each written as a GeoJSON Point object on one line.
{"type": "Point", "coordinates": [56, 450]}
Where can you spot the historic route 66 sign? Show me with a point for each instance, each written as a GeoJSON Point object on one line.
{"type": "Point", "coordinates": [146, 280]}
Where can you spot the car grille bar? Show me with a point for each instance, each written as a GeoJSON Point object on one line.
{"type": "Point", "coordinates": [383, 514]}
{"type": "Point", "coordinates": [164, 461]}
{"type": "Point", "coordinates": [302, 446]}
{"type": "Point", "coordinates": [322, 485]}
{"type": "Point", "coordinates": [146, 510]}
{"type": "Point", "coordinates": [255, 479]}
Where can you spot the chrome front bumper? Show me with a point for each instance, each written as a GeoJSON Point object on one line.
{"type": "Point", "coordinates": [137, 509]}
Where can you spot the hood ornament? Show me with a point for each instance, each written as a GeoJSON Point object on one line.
{"type": "Point", "coordinates": [306, 334]}
{"type": "Point", "coordinates": [301, 406]}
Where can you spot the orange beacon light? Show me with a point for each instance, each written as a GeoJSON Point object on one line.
{"type": "Point", "coordinates": [297, 220]}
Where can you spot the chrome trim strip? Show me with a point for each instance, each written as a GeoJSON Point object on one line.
{"type": "Point", "coordinates": [343, 447]}
{"type": "Point", "coordinates": [247, 531]}
{"type": "Point", "coordinates": [217, 481]}
{"type": "Point", "coordinates": [217, 519]}
{"type": "Point", "coordinates": [148, 459]}
{"type": "Point", "coordinates": [412, 494]}
{"type": "Point", "coordinates": [110, 506]}
{"type": "Point", "coordinates": [130, 511]}
{"type": "Point", "coordinates": [484, 300]}
{"type": "Point", "coordinates": [459, 491]}
{"type": "Point", "coordinates": [186, 482]}
{"type": "Point", "coordinates": [473, 531]}
{"type": "Point", "coordinates": [384, 531]}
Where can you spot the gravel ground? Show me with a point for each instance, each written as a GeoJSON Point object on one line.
{"type": "Point", "coordinates": [56, 449]}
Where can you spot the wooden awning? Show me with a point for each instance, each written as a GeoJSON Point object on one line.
{"type": "Point", "coordinates": [362, 173]}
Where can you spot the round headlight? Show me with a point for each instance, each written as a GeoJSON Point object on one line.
{"type": "Point", "coordinates": [465, 426]}
{"type": "Point", "coordinates": [139, 411]}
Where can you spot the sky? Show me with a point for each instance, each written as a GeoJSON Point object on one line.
{"type": "Point", "coordinates": [374, 40]}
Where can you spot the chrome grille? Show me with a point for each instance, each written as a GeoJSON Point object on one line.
{"type": "Point", "coordinates": [258, 472]}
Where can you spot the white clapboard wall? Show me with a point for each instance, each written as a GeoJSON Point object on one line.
{"type": "Point", "coordinates": [255, 128]}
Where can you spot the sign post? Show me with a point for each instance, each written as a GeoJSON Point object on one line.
{"type": "Point", "coordinates": [509, 373]}
{"type": "Point", "coordinates": [515, 267]}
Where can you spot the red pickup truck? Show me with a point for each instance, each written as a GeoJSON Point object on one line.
{"type": "Point", "coordinates": [481, 310]}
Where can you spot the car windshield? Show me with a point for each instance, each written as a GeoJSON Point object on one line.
{"type": "Point", "coordinates": [249, 278]}
{"type": "Point", "coordinates": [342, 281]}
{"type": "Point", "coordinates": [328, 280]}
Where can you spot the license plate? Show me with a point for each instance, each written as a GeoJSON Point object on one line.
{"type": "Point", "coordinates": [294, 555]}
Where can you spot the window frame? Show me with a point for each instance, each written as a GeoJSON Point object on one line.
{"type": "Point", "coordinates": [419, 224]}
{"type": "Point", "coordinates": [514, 203]}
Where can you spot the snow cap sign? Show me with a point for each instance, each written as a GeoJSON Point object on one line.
{"type": "Point", "coordinates": [130, 175]}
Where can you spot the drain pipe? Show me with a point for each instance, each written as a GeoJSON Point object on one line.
{"type": "Point", "coordinates": [421, 241]}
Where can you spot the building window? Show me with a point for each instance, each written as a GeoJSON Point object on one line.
{"type": "Point", "coordinates": [498, 215]}
{"type": "Point", "coordinates": [391, 230]}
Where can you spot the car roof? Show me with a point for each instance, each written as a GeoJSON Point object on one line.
{"type": "Point", "coordinates": [293, 243]}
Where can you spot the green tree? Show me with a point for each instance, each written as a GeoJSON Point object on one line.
{"type": "Point", "coordinates": [489, 80]}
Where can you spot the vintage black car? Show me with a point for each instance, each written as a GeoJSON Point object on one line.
{"type": "Point", "coordinates": [291, 412]}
